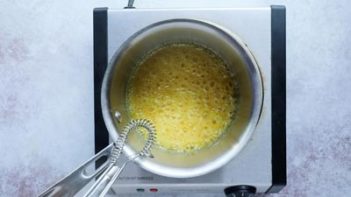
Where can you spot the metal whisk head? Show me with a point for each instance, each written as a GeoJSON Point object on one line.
{"type": "Point", "coordinates": [133, 125]}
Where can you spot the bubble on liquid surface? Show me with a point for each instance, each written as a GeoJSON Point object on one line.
{"type": "Point", "coordinates": [188, 97]}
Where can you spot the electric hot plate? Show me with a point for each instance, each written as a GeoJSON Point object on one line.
{"type": "Point", "coordinates": [261, 166]}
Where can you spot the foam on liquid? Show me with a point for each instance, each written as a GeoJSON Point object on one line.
{"type": "Point", "coordinates": [187, 92]}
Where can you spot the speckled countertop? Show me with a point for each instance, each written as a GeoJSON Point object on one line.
{"type": "Point", "coordinates": [46, 92]}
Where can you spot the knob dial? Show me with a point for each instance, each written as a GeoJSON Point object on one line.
{"type": "Point", "coordinates": [240, 191]}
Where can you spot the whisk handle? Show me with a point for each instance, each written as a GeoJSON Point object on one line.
{"type": "Point", "coordinates": [105, 181]}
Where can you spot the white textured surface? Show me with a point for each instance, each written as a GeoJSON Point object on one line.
{"type": "Point", "coordinates": [46, 88]}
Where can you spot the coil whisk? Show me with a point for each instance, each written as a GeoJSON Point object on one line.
{"type": "Point", "coordinates": [133, 125]}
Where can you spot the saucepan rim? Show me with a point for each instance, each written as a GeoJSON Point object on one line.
{"type": "Point", "coordinates": [170, 171]}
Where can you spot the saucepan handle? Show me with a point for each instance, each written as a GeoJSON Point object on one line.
{"type": "Point", "coordinates": [109, 171]}
{"type": "Point", "coordinates": [74, 182]}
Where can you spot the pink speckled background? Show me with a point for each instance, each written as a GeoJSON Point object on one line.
{"type": "Point", "coordinates": [46, 88]}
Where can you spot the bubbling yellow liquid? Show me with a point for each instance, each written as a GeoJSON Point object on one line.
{"type": "Point", "coordinates": [187, 92]}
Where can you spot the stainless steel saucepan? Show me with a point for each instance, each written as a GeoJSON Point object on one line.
{"type": "Point", "coordinates": [174, 164]}
{"type": "Point", "coordinates": [235, 54]}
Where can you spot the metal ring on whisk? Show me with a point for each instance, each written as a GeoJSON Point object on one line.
{"type": "Point", "coordinates": [134, 124]}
